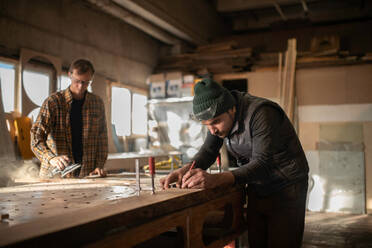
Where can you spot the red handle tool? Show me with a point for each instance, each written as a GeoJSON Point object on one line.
{"type": "Point", "coordinates": [152, 173]}
{"type": "Point", "coordinates": [152, 165]}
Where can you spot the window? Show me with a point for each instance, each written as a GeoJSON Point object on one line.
{"type": "Point", "coordinates": [7, 82]}
{"type": "Point", "coordinates": [139, 114]}
{"type": "Point", "coordinates": [65, 82]}
{"type": "Point", "coordinates": [121, 110]}
{"type": "Point", "coordinates": [128, 112]}
{"type": "Point", "coordinates": [37, 87]}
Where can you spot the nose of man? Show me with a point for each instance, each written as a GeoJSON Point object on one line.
{"type": "Point", "coordinates": [80, 86]}
{"type": "Point", "coordinates": [213, 130]}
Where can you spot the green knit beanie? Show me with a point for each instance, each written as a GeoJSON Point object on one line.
{"type": "Point", "coordinates": [211, 97]}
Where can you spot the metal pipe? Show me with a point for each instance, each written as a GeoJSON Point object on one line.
{"type": "Point", "coordinates": [138, 183]}
{"type": "Point", "coordinates": [304, 5]}
{"type": "Point", "coordinates": [277, 7]}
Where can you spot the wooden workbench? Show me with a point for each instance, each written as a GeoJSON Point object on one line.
{"type": "Point", "coordinates": [108, 213]}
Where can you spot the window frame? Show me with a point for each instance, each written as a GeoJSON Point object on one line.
{"type": "Point", "coordinates": [111, 100]}
{"type": "Point", "coordinates": [37, 68]}
{"type": "Point", "coordinates": [63, 74]}
{"type": "Point", "coordinates": [15, 63]}
{"type": "Point", "coordinates": [132, 90]}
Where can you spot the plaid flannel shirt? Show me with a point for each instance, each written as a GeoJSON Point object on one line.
{"type": "Point", "coordinates": [51, 132]}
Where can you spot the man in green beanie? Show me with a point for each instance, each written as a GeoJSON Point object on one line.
{"type": "Point", "coordinates": [271, 161]}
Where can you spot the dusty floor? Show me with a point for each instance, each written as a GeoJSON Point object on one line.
{"type": "Point", "coordinates": [337, 230]}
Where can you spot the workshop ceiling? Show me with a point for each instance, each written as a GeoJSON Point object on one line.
{"type": "Point", "coordinates": [198, 22]}
{"type": "Point", "coordinates": [257, 15]}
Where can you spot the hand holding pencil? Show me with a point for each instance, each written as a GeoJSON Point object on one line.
{"type": "Point", "coordinates": [192, 165]}
{"type": "Point", "coordinates": [175, 178]}
{"type": "Point", "coordinates": [189, 177]}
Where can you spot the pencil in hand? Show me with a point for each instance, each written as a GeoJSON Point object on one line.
{"type": "Point", "coordinates": [192, 165]}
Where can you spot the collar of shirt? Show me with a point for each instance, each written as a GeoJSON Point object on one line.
{"type": "Point", "coordinates": [68, 95]}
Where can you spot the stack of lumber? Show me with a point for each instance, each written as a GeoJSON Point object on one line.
{"type": "Point", "coordinates": [216, 58]}
{"type": "Point", "coordinates": [228, 57]}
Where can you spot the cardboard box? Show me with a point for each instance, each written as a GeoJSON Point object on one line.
{"type": "Point", "coordinates": [188, 85]}
{"type": "Point", "coordinates": [157, 90]}
{"type": "Point", "coordinates": [174, 84]}
{"type": "Point", "coordinates": [174, 88]}
{"type": "Point", "coordinates": [157, 86]}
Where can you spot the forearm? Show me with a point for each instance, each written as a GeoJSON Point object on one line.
{"type": "Point", "coordinates": [208, 152]}
{"type": "Point", "coordinates": [39, 133]}
{"type": "Point", "coordinates": [40, 148]}
{"type": "Point", "coordinates": [251, 172]}
{"type": "Point", "coordinates": [203, 159]}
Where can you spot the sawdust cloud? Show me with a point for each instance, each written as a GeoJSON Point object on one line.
{"type": "Point", "coordinates": [11, 170]}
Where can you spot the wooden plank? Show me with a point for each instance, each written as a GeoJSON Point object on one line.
{"type": "Point", "coordinates": [308, 134]}
{"type": "Point", "coordinates": [341, 132]}
{"type": "Point", "coordinates": [136, 235]}
{"type": "Point", "coordinates": [291, 101]}
{"type": "Point", "coordinates": [339, 146]}
{"type": "Point", "coordinates": [336, 113]}
{"type": "Point", "coordinates": [280, 71]}
{"type": "Point", "coordinates": [23, 127]}
{"type": "Point", "coordinates": [215, 47]}
{"type": "Point", "coordinates": [287, 93]}
{"type": "Point", "coordinates": [216, 61]}
{"type": "Point", "coordinates": [98, 219]}
{"type": "Point", "coordinates": [95, 221]}
{"type": "Point", "coordinates": [192, 222]}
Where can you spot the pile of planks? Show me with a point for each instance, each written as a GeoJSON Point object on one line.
{"type": "Point", "coordinates": [215, 58]}
{"type": "Point", "coordinates": [228, 57]}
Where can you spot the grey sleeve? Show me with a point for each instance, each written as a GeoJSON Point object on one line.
{"type": "Point", "coordinates": [208, 152]}
{"type": "Point", "coordinates": [264, 128]}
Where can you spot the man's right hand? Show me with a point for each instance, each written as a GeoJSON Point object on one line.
{"type": "Point", "coordinates": [60, 162]}
{"type": "Point", "coordinates": [175, 176]}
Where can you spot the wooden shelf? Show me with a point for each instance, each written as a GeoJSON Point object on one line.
{"type": "Point", "coordinates": [171, 100]}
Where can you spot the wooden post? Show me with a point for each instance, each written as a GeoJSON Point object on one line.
{"type": "Point", "coordinates": [287, 92]}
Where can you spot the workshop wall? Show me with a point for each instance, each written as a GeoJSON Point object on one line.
{"type": "Point", "coordinates": [71, 29]}
{"type": "Point", "coordinates": [335, 119]}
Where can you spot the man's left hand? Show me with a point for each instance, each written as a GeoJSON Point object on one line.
{"type": "Point", "coordinates": [200, 179]}
{"type": "Point", "coordinates": [98, 171]}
